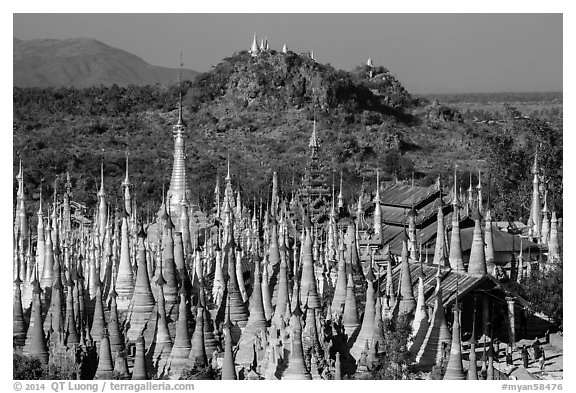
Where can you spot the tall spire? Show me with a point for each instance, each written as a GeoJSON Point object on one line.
{"type": "Point", "coordinates": [440, 247]}
{"type": "Point", "coordinates": [545, 221]}
{"type": "Point", "coordinates": [455, 201]}
{"type": "Point", "coordinates": [22, 218]}
{"type": "Point", "coordinates": [18, 323]}
{"type": "Point", "coordinates": [35, 344]}
{"type": "Point", "coordinates": [126, 184]}
{"type": "Point", "coordinates": [256, 321]}
{"type": "Point", "coordinates": [340, 196]}
{"type": "Point", "coordinates": [48, 268]}
{"type": "Point", "coordinates": [105, 366]}
{"type": "Point", "coordinates": [455, 256]}
{"type": "Point", "coordinates": [407, 302]}
{"type": "Point", "coordinates": [178, 181]}
{"type": "Point", "coordinates": [350, 318]}
{"type": "Point", "coordinates": [182, 344]}
{"type": "Point", "coordinates": [99, 321]}
{"type": "Point", "coordinates": [143, 301]}
{"type": "Point", "coordinates": [275, 200]}
{"type": "Point", "coordinates": [470, 194]}
{"type": "Point", "coordinates": [20, 178]}
{"type": "Point", "coordinates": [40, 244]}
{"type": "Point", "coordinates": [102, 207]}
{"type": "Point", "coordinates": [390, 292]}
{"type": "Point", "coordinates": [488, 240]}
{"type": "Point", "coordinates": [554, 252]}
{"type": "Point", "coordinates": [280, 289]}
{"type": "Point", "coordinates": [412, 238]}
{"type": "Point", "coordinates": [296, 367]}
{"type": "Point", "coordinates": [126, 181]}
{"type": "Point", "coordinates": [367, 332]}
{"type": "Point", "coordinates": [420, 323]}
{"type": "Point", "coordinates": [339, 297]}
{"type": "Point", "coordinates": [254, 50]}
{"type": "Point", "coordinates": [370, 66]}
{"type": "Point", "coordinates": [139, 371]}
{"type": "Point", "coordinates": [479, 191]}
{"type": "Point", "coordinates": [211, 344]}
{"type": "Point", "coordinates": [238, 312]}
{"type": "Point", "coordinates": [472, 366]}
{"type": "Point", "coordinates": [313, 144]}
{"type": "Point", "coordinates": [101, 192]}
{"type": "Point", "coordinates": [198, 350]}
{"type": "Point", "coordinates": [536, 207]}
{"type": "Point", "coordinates": [437, 334]}
{"type": "Point", "coordinates": [228, 367]}
{"type": "Point", "coordinates": [477, 263]}
{"type": "Point", "coordinates": [377, 208]}
{"type": "Point", "coordinates": [125, 275]}
{"type": "Point", "coordinates": [115, 334]}
{"type": "Point", "coordinates": [454, 369]}
{"type": "Point", "coordinates": [180, 119]}
{"type": "Point", "coordinates": [168, 267]}
{"type": "Point", "coordinates": [308, 288]}
{"type": "Point", "coordinates": [228, 177]}
{"type": "Point", "coordinates": [266, 295]}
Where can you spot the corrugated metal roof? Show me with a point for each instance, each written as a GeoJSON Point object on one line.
{"type": "Point", "coordinates": [390, 232]}
{"type": "Point", "coordinates": [503, 241]}
{"type": "Point", "coordinates": [394, 214]}
{"type": "Point", "coordinates": [449, 280]}
{"type": "Point", "coordinates": [398, 215]}
{"type": "Point", "coordinates": [405, 195]}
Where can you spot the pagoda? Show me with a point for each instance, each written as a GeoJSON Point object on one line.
{"type": "Point", "coordinates": [313, 193]}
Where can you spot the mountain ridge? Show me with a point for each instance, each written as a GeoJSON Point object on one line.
{"type": "Point", "coordinates": [84, 62]}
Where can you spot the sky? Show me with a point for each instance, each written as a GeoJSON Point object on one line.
{"type": "Point", "coordinates": [429, 53]}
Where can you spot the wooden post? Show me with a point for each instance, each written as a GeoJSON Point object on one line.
{"type": "Point", "coordinates": [511, 320]}
{"type": "Point", "coordinates": [486, 316]}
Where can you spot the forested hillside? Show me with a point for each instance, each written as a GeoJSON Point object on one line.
{"type": "Point", "coordinates": [259, 111]}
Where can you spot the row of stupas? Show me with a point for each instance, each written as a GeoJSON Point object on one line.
{"type": "Point", "coordinates": [269, 292]}
{"type": "Point", "coordinates": [264, 47]}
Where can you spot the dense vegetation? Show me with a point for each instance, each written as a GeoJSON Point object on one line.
{"type": "Point", "coordinates": [544, 290]}
{"type": "Point", "coordinates": [260, 112]}
{"type": "Point", "coordinates": [396, 363]}
{"type": "Point", "coordinates": [31, 368]}
{"type": "Point", "coordinates": [509, 149]}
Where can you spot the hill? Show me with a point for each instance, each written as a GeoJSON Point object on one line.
{"type": "Point", "coordinates": [259, 111]}
{"type": "Point", "coordinates": [83, 62]}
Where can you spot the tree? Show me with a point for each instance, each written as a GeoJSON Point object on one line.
{"type": "Point", "coordinates": [395, 364]}
{"type": "Point", "coordinates": [31, 368]}
{"type": "Point", "coordinates": [543, 289]}
{"type": "Point", "coordinates": [199, 372]}
{"type": "Point", "coordinates": [509, 150]}
{"type": "Point", "coordinates": [26, 367]}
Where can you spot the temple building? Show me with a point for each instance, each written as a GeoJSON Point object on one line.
{"type": "Point", "coordinates": [313, 194]}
